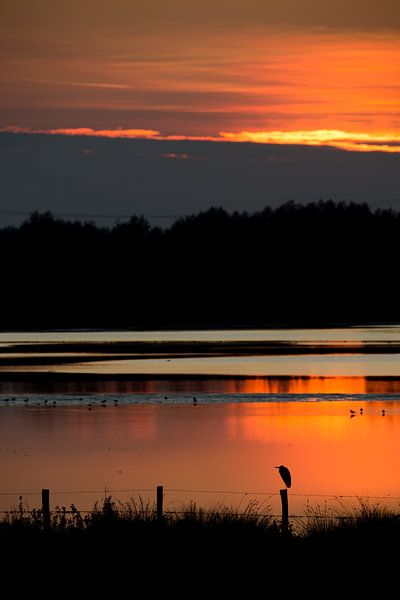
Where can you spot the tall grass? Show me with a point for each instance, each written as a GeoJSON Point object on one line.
{"type": "Point", "coordinates": [366, 521]}
{"type": "Point", "coordinates": [138, 514]}
{"type": "Point", "coordinates": [137, 518]}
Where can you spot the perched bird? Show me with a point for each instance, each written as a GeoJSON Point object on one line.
{"type": "Point", "coordinates": [352, 413]}
{"type": "Point", "coordinates": [195, 401]}
{"type": "Point", "coordinates": [285, 474]}
{"type": "Point", "coordinates": [383, 412]}
{"type": "Point", "coordinates": [361, 411]}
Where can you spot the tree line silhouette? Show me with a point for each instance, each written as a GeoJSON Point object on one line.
{"type": "Point", "coordinates": [323, 263]}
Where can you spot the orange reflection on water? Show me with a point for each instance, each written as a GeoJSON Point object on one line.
{"type": "Point", "coordinates": [304, 385]}
{"type": "Point", "coordinates": [207, 384]}
{"type": "Point", "coordinates": [227, 446]}
{"type": "Point", "coordinates": [330, 451]}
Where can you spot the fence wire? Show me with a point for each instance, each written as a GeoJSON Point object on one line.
{"type": "Point", "coordinates": [107, 490]}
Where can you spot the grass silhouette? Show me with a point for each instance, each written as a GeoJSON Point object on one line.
{"type": "Point", "coordinates": [218, 550]}
{"type": "Point", "coordinates": [138, 517]}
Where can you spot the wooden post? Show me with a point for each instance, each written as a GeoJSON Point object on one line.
{"type": "Point", "coordinates": [160, 498]}
{"type": "Point", "coordinates": [285, 511]}
{"type": "Point", "coordinates": [46, 508]}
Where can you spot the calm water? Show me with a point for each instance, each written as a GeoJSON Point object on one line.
{"type": "Point", "coordinates": [217, 447]}
{"type": "Point", "coordinates": [385, 333]}
{"type": "Point", "coordinates": [264, 411]}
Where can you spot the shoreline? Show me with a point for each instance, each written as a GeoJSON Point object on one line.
{"type": "Point", "coordinates": [271, 386]}
{"type": "Point", "coordinates": [39, 353]}
{"type": "Point", "coordinates": [59, 376]}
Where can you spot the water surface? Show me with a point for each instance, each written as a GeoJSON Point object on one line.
{"type": "Point", "coordinates": [211, 447]}
{"type": "Point", "coordinates": [209, 412]}
{"type": "Point", "coordinates": [383, 333]}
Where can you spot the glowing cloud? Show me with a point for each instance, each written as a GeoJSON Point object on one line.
{"type": "Point", "coordinates": [120, 133]}
{"type": "Point", "coordinates": [108, 133]}
{"type": "Point", "coordinates": [344, 140]}
{"type": "Point", "coordinates": [88, 132]}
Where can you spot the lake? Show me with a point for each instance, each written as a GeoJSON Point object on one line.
{"type": "Point", "coordinates": [84, 413]}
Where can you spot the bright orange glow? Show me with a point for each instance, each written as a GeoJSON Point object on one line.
{"type": "Point", "coordinates": [303, 385]}
{"type": "Point", "coordinates": [323, 444]}
{"type": "Point", "coordinates": [345, 140]}
{"type": "Point", "coordinates": [295, 385]}
{"type": "Point", "coordinates": [362, 142]}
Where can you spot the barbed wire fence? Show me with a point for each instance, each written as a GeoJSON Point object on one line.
{"type": "Point", "coordinates": [161, 492]}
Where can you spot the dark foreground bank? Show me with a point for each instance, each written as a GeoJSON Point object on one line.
{"type": "Point", "coordinates": [212, 552]}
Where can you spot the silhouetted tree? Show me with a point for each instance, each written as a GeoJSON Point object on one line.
{"type": "Point", "coordinates": [320, 263]}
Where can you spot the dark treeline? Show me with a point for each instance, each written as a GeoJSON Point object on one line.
{"type": "Point", "coordinates": [323, 263]}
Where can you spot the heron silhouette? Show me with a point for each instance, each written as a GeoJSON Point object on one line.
{"type": "Point", "coordinates": [286, 476]}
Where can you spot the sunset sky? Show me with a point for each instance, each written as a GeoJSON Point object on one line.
{"type": "Point", "coordinates": [288, 72]}
{"type": "Point", "coordinates": [205, 68]}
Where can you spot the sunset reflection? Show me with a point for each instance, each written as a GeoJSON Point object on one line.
{"type": "Point", "coordinates": [223, 447]}
{"type": "Point", "coordinates": [181, 384]}
{"type": "Point", "coordinates": [326, 447]}
{"type": "Point", "coordinates": [302, 385]}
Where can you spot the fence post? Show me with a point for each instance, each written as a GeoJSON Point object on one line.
{"type": "Point", "coordinates": [285, 511]}
{"type": "Point", "coordinates": [46, 508]}
{"type": "Point", "coordinates": [160, 498]}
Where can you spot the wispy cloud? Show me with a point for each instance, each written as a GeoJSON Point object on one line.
{"type": "Point", "coordinates": [256, 79]}
{"type": "Point", "coordinates": [107, 133]}
{"type": "Point", "coordinates": [82, 84]}
{"type": "Point", "coordinates": [345, 140]}
{"type": "Point", "coordinates": [88, 132]}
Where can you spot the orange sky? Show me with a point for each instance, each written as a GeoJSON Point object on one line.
{"type": "Point", "coordinates": [298, 73]}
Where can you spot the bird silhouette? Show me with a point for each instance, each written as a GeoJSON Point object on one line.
{"type": "Point", "coordinates": [285, 474]}
{"type": "Point", "coordinates": [352, 412]}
